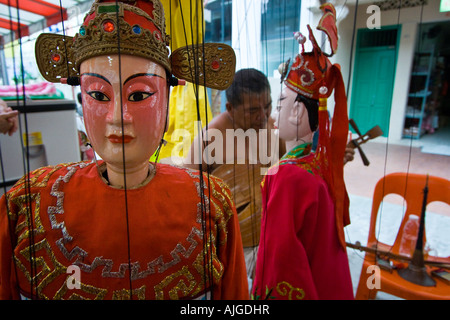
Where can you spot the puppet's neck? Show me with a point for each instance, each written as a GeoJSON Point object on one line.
{"type": "Point", "coordinates": [135, 177]}
{"type": "Point", "coordinates": [291, 144]}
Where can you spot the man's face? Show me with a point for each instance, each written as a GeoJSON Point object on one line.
{"type": "Point", "coordinates": [124, 110]}
{"type": "Point", "coordinates": [253, 112]}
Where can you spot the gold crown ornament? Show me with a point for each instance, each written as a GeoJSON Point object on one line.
{"type": "Point", "coordinates": [134, 27]}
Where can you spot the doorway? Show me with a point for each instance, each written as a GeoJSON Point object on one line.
{"type": "Point", "coordinates": [434, 120]}
{"type": "Point", "coordinates": [373, 77]}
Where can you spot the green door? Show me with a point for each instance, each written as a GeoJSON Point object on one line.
{"type": "Point", "coordinates": [373, 81]}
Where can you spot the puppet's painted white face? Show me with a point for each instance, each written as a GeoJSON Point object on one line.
{"type": "Point", "coordinates": [292, 117]}
{"type": "Point", "coordinates": [138, 96]}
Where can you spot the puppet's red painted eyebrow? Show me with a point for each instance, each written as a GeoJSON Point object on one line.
{"type": "Point", "coordinates": [142, 75]}
{"type": "Point", "coordinates": [128, 79]}
{"type": "Point", "coordinates": [96, 75]}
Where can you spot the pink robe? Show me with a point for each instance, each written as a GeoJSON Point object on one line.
{"type": "Point", "coordinates": [300, 256]}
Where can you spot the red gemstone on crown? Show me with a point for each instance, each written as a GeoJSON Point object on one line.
{"type": "Point", "coordinates": [215, 65]}
{"type": "Point", "coordinates": [56, 57]}
{"type": "Point", "coordinates": [108, 26]}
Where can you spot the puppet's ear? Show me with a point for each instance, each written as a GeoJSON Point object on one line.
{"type": "Point", "coordinates": [54, 57]}
{"type": "Point", "coordinates": [297, 112]}
{"type": "Point", "coordinates": [209, 64]}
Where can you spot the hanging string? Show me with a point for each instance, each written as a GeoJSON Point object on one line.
{"type": "Point", "coordinates": [6, 195]}
{"type": "Point", "coordinates": [33, 266]}
{"type": "Point", "coordinates": [264, 38]}
{"type": "Point", "coordinates": [207, 256]}
{"type": "Point", "coordinates": [208, 169]}
{"type": "Point", "coordinates": [168, 92]}
{"type": "Point", "coordinates": [282, 7]}
{"type": "Point", "coordinates": [123, 152]}
{"type": "Point", "coordinates": [207, 241]}
{"type": "Point", "coordinates": [8, 212]}
{"type": "Point", "coordinates": [385, 164]}
{"type": "Point", "coordinates": [352, 45]}
{"type": "Point", "coordinates": [416, 61]}
{"type": "Point", "coordinates": [64, 36]}
{"type": "Point", "coordinates": [10, 225]}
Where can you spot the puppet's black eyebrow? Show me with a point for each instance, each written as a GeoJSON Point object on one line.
{"type": "Point", "coordinates": [96, 75]}
{"type": "Point", "coordinates": [142, 75]}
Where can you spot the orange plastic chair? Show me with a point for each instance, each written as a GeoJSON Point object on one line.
{"type": "Point", "coordinates": [390, 280]}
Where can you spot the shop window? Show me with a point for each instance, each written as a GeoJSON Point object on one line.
{"type": "Point", "coordinates": [279, 21]}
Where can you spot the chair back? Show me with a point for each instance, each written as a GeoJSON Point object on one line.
{"type": "Point", "coordinates": [409, 186]}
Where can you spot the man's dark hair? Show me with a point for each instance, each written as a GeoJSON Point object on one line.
{"type": "Point", "coordinates": [246, 81]}
{"type": "Point", "coordinates": [312, 106]}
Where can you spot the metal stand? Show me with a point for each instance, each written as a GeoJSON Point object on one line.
{"type": "Point", "coordinates": [416, 271]}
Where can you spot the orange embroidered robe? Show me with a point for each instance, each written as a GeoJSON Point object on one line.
{"type": "Point", "coordinates": [80, 247]}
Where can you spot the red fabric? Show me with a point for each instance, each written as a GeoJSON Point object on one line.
{"type": "Point", "coordinates": [164, 228]}
{"type": "Point", "coordinates": [339, 134]}
{"type": "Point", "coordinates": [132, 19]}
{"type": "Point", "coordinates": [309, 72]}
{"type": "Point", "coordinates": [328, 25]}
{"type": "Point", "coordinates": [300, 256]}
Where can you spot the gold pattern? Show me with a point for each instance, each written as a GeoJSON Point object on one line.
{"type": "Point", "coordinates": [124, 294]}
{"type": "Point", "coordinates": [286, 289]}
{"type": "Point", "coordinates": [46, 275]}
{"type": "Point", "coordinates": [145, 44]}
{"type": "Point", "coordinates": [22, 228]}
{"type": "Point", "coordinates": [209, 64]}
{"type": "Point", "coordinates": [47, 45]}
{"type": "Point", "coordinates": [98, 293]}
{"type": "Point", "coordinates": [187, 282]}
{"type": "Point", "coordinates": [194, 64]}
{"type": "Point", "coordinates": [95, 41]}
{"type": "Point", "coordinates": [205, 269]}
{"type": "Point", "coordinates": [182, 276]}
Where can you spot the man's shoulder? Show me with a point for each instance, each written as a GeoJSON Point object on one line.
{"type": "Point", "coordinates": [220, 122]}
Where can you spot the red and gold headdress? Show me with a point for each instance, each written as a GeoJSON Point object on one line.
{"type": "Point", "coordinates": [314, 76]}
{"type": "Point", "coordinates": [134, 27]}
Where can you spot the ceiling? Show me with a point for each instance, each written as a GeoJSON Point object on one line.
{"type": "Point", "coordinates": [31, 16]}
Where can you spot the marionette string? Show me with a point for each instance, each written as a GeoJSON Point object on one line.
{"type": "Point", "coordinates": [194, 70]}
{"type": "Point", "coordinates": [210, 260]}
{"type": "Point", "coordinates": [123, 154]}
{"type": "Point", "coordinates": [26, 147]}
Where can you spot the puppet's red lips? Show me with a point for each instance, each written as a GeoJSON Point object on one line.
{"type": "Point", "coordinates": [120, 139]}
